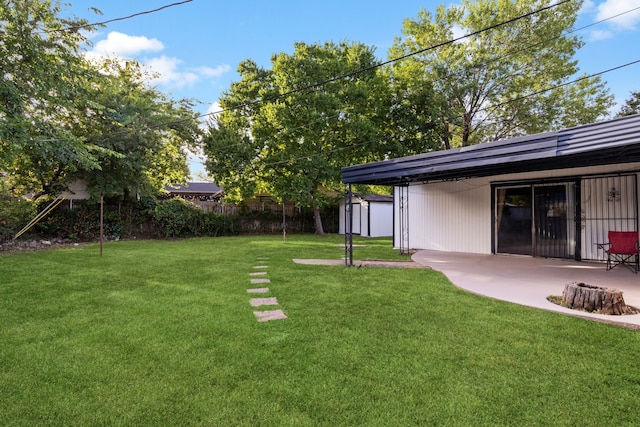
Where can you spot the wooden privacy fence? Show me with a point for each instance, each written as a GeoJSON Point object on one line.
{"type": "Point", "coordinates": [290, 210]}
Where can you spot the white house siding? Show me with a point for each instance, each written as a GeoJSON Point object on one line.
{"type": "Point", "coordinates": [76, 190]}
{"type": "Point", "coordinates": [604, 210]}
{"type": "Point", "coordinates": [456, 216]}
{"type": "Point", "coordinates": [450, 216]}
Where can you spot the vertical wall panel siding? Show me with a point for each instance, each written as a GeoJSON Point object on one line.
{"type": "Point", "coordinates": [401, 237]}
{"type": "Point", "coordinates": [608, 204]}
{"type": "Point", "coordinates": [456, 216]}
{"type": "Point", "coordinates": [451, 216]}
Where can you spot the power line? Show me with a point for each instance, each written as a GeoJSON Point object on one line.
{"type": "Point", "coordinates": [390, 61]}
{"type": "Point", "coordinates": [316, 85]}
{"type": "Point", "coordinates": [123, 18]}
{"type": "Point", "coordinates": [366, 69]}
{"type": "Point", "coordinates": [539, 92]}
{"type": "Point", "coordinates": [375, 66]}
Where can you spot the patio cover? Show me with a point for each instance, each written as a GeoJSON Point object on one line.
{"type": "Point", "coordinates": [609, 142]}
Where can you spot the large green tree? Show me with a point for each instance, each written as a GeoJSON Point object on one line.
{"type": "Point", "coordinates": [290, 129]}
{"type": "Point", "coordinates": [63, 118]}
{"type": "Point", "coordinates": [41, 80]}
{"type": "Point", "coordinates": [507, 81]}
{"type": "Point", "coordinates": [139, 136]}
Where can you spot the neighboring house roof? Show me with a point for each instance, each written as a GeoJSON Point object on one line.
{"type": "Point", "coordinates": [377, 198]}
{"type": "Point", "coordinates": [608, 142]}
{"type": "Point", "coordinates": [194, 188]}
{"type": "Point", "coordinates": [373, 197]}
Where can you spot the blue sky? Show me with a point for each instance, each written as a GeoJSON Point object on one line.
{"type": "Point", "coordinates": [197, 46]}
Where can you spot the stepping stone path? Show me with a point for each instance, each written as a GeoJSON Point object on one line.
{"type": "Point", "coordinates": [265, 315]}
{"type": "Point", "coordinates": [257, 302]}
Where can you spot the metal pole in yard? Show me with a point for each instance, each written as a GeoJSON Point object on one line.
{"type": "Point", "coordinates": [101, 219]}
{"type": "Point", "coordinates": [350, 238]}
{"type": "Point", "coordinates": [284, 223]}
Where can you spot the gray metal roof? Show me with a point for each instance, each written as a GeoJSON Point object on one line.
{"type": "Point", "coordinates": [608, 142]}
{"type": "Point", "coordinates": [192, 188]}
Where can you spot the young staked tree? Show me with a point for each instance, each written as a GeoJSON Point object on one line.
{"type": "Point", "coordinates": [507, 81]}
{"type": "Point", "coordinates": [289, 130]}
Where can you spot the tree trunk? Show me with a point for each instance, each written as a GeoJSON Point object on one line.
{"type": "Point", "coordinates": [593, 298]}
{"type": "Point", "coordinates": [318, 221]}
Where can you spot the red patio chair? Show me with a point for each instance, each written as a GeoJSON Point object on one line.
{"type": "Point", "coordinates": [622, 249]}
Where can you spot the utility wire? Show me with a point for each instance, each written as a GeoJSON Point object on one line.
{"type": "Point", "coordinates": [362, 70]}
{"type": "Point", "coordinates": [539, 92]}
{"type": "Point", "coordinates": [487, 109]}
{"type": "Point", "coordinates": [380, 64]}
{"type": "Point", "coordinates": [95, 24]}
{"type": "Point", "coordinates": [390, 61]}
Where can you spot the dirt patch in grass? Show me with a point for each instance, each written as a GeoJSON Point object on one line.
{"type": "Point", "coordinates": [13, 246]}
{"type": "Point", "coordinates": [362, 263]}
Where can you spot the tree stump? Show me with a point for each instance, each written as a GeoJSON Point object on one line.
{"type": "Point", "coordinates": [593, 298]}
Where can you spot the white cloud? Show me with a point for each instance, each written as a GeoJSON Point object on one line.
{"type": "Point", "coordinates": [208, 118]}
{"type": "Point", "coordinates": [167, 71]}
{"type": "Point", "coordinates": [601, 35]}
{"type": "Point", "coordinates": [214, 108]}
{"type": "Point", "coordinates": [626, 21]}
{"type": "Point", "coordinates": [213, 72]}
{"type": "Point", "coordinates": [587, 6]}
{"type": "Point", "coordinates": [123, 45]}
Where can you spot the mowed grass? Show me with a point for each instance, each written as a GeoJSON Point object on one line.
{"type": "Point", "coordinates": [162, 333]}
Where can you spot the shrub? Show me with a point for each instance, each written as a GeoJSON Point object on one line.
{"type": "Point", "coordinates": [14, 215]}
{"type": "Point", "coordinates": [178, 218]}
{"type": "Point", "coordinates": [82, 223]}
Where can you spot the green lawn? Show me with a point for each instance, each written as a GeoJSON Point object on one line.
{"type": "Point", "coordinates": [162, 333]}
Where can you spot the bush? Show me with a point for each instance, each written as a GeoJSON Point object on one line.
{"type": "Point", "coordinates": [180, 218]}
{"type": "Point", "coordinates": [82, 223]}
{"type": "Point", "coordinates": [215, 224]}
{"type": "Point", "coordinates": [177, 218]}
{"type": "Point", "coordinates": [14, 215]}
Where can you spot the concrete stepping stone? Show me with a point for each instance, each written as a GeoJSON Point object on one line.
{"type": "Point", "coordinates": [260, 281]}
{"type": "Point", "coordinates": [258, 290]}
{"type": "Point", "coordinates": [265, 316]}
{"type": "Point", "coordinates": [257, 302]}
{"type": "Point", "coordinates": [259, 267]}
{"type": "Point", "coordinates": [258, 273]}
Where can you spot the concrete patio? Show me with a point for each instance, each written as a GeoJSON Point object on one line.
{"type": "Point", "coordinates": [529, 281]}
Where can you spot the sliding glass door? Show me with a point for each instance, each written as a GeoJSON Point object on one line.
{"type": "Point", "coordinates": [536, 219]}
{"type": "Point", "coordinates": [513, 220]}
{"type": "Point", "coordinates": [554, 221]}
